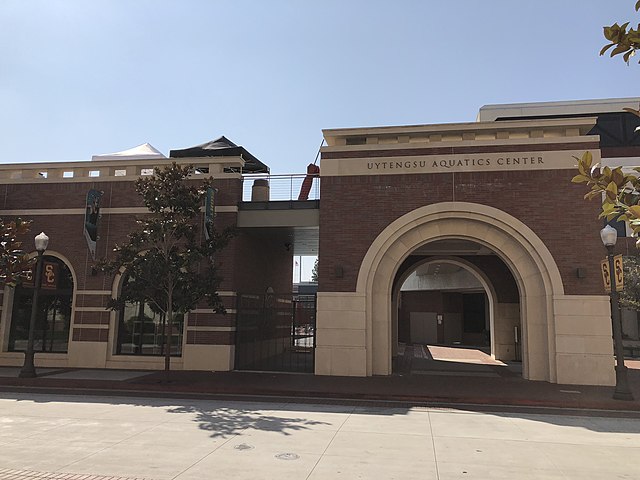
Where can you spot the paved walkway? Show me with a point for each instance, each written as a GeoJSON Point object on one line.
{"type": "Point", "coordinates": [66, 437]}
{"type": "Point", "coordinates": [419, 389]}
{"type": "Point", "coordinates": [434, 376]}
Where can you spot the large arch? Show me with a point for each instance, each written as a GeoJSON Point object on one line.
{"type": "Point", "coordinates": [565, 338]}
{"type": "Point", "coordinates": [531, 263]}
{"type": "Point", "coordinates": [476, 272]}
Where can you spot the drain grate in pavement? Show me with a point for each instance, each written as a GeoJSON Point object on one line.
{"type": "Point", "coordinates": [9, 474]}
{"type": "Point", "coordinates": [287, 456]}
{"type": "Point", "coordinates": [244, 446]}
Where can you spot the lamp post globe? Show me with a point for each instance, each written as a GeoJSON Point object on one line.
{"type": "Point", "coordinates": [609, 236]}
{"type": "Point", "coordinates": [28, 369]}
{"type": "Point", "coordinates": [42, 242]}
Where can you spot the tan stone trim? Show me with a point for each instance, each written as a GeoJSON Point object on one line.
{"type": "Point", "coordinates": [93, 292]}
{"type": "Point", "coordinates": [209, 311]}
{"type": "Point", "coordinates": [211, 329]}
{"type": "Point", "coordinates": [478, 162]}
{"type": "Point", "coordinates": [584, 123]}
{"type": "Point", "coordinates": [105, 211]}
{"type": "Point", "coordinates": [98, 326]}
{"type": "Point", "coordinates": [91, 309]}
{"type": "Point", "coordinates": [92, 180]}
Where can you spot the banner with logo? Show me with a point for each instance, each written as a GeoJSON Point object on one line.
{"type": "Point", "coordinates": [209, 212]}
{"type": "Point", "coordinates": [49, 278]}
{"type": "Point", "coordinates": [91, 217]}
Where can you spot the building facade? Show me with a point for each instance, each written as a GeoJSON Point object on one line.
{"type": "Point", "coordinates": [489, 203]}
{"type": "Point", "coordinates": [492, 197]}
{"type": "Point", "coordinates": [75, 329]}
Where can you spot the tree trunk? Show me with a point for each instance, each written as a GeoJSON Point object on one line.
{"type": "Point", "coordinates": [167, 338]}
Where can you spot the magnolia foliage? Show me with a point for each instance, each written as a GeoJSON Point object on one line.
{"type": "Point", "coordinates": [168, 260]}
{"type": "Point", "coordinates": [620, 191]}
{"type": "Point", "coordinates": [15, 264]}
{"type": "Point", "coordinates": [624, 42]}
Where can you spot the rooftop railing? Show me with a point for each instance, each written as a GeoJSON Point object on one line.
{"type": "Point", "coordinates": [280, 187]}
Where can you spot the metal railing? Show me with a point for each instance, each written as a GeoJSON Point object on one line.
{"type": "Point", "coordinates": [281, 187]}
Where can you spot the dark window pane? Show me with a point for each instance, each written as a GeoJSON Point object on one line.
{"type": "Point", "coordinates": [53, 316]}
{"type": "Point", "coordinates": [141, 331]}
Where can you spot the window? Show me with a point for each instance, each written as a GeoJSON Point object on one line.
{"type": "Point", "coordinates": [53, 314]}
{"type": "Point", "coordinates": [120, 173]}
{"type": "Point", "coordinates": [141, 331]}
{"type": "Point", "coordinates": [67, 174]}
{"type": "Point", "coordinates": [146, 171]}
{"type": "Point", "coordinates": [94, 173]}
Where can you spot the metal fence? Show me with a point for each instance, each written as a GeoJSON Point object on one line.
{"type": "Point", "coordinates": [281, 187]}
{"type": "Point", "coordinates": [275, 332]}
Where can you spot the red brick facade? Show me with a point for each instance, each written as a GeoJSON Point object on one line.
{"type": "Point", "coordinates": [248, 264]}
{"type": "Point", "coordinates": [355, 209]}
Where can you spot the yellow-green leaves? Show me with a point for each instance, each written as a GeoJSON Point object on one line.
{"type": "Point", "coordinates": [618, 191]}
{"type": "Point", "coordinates": [624, 42]}
{"type": "Point", "coordinates": [634, 210]}
{"type": "Point", "coordinates": [15, 263]}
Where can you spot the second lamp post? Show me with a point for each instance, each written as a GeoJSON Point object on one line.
{"type": "Point", "coordinates": [609, 235]}
{"type": "Point", "coordinates": [28, 369]}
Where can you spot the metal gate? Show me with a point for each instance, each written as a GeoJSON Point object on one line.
{"type": "Point", "coordinates": [275, 332]}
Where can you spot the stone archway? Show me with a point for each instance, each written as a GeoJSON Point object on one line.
{"type": "Point", "coordinates": [565, 338]}
{"type": "Point", "coordinates": [526, 255]}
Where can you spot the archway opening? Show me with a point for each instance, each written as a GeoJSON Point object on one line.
{"type": "Point", "coordinates": [455, 307]}
{"type": "Point", "coordinates": [53, 317]}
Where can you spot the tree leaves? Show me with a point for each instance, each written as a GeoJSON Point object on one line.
{"type": "Point", "coordinates": [167, 260]}
{"type": "Point", "coordinates": [624, 41]}
{"type": "Point", "coordinates": [630, 296]}
{"type": "Point", "coordinates": [619, 192]}
{"type": "Point", "coordinates": [15, 264]}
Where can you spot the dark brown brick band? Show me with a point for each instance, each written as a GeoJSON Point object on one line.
{"type": "Point", "coordinates": [211, 320]}
{"type": "Point", "coordinates": [92, 318]}
{"type": "Point", "coordinates": [211, 338]}
{"type": "Point", "coordinates": [90, 335]}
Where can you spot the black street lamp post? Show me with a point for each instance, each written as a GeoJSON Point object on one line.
{"type": "Point", "coordinates": [609, 236]}
{"type": "Point", "coordinates": [28, 369]}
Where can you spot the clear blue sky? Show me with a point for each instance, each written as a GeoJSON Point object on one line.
{"type": "Point", "coordinates": [81, 77]}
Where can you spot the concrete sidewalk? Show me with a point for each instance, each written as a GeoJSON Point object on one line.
{"type": "Point", "coordinates": [64, 437]}
{"type": "Point", "coordinates": [455, 385]}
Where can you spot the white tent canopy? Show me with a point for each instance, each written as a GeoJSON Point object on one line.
{"type": "Point", "coordinates": [141, 152]}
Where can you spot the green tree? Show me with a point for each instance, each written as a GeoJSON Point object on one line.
{"type": "Point", "coordinates": [15, 264]}
{"type": "Point", "coordinates": [624, 42]}
{"type": "Point", "coordinates": [168, 261]}
{"type": "Point", "coordinates": [314, 272]}
{"type": "Point", "coordinates": [620, 191]}
{"type": "Point", "coordinates": [630, 296]}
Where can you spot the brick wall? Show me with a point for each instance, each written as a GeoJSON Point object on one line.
{"type": "Point", "coordinates": [242, 264]}
{"type": "Point", "coordinates": [355, 209]}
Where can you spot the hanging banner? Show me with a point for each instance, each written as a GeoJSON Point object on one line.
{"type": "Point", "coordinates": [606, 275]}
{"type": "Point", "coordinates": [49, 278]}
{"type": "Point", "coordinates": [49, 275]}
{"type": "Point", "coordinates": [91, 217]}
{"type": "Point", "coordinates": [209, 212]}
{"type": "Point", "coordinates": [618, 272]}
